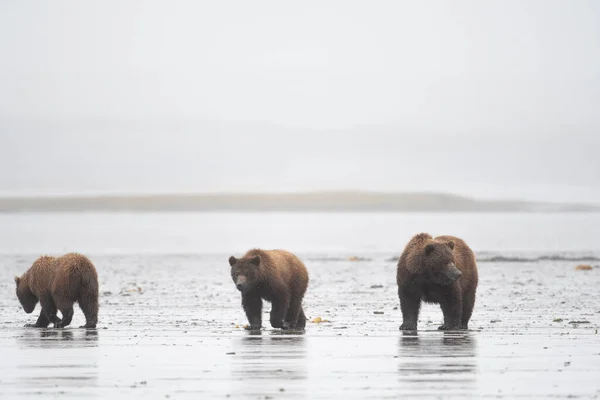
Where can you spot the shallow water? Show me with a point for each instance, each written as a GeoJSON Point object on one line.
{"type": "Point", "coordinates": [321, 233]}
{"type": "Point", "coordinates": [171, 325]}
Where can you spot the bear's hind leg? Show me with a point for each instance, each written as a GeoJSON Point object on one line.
{"type": "Point", "coordinates": [67, 317]}
{"type": "Point", "coordinates": [468, 304]}
{"type": "Point", "coordinates": [410, 304]}
{"type": "Point", "coordinates": [89, 306]}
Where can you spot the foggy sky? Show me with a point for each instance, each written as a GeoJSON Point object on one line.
{"type": "Point", "coordinates": [491, 99]}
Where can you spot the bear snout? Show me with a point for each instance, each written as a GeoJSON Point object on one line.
{"type": "Point", "coordinates": [453, 273]}
{"type": "Point", "coordinates": [28, 307]}
{"type": "Point", "coordinates": [240, 283]}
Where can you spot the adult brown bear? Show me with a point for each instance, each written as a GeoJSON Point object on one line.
{"type": "Point", "coordinates": [442, 271]}
{"type": "Point", "coordinates": [57, 283]}
{"type": "Point", "coordinates": [276, 276]}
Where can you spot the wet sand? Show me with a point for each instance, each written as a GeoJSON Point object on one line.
{"type": "Point", "coordinates": [171, 327]}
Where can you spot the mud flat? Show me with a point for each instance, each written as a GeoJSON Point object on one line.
{"type": "Point", "coordinates": [348, 201]}
{"type": "Point", "coordinates": [171, 327]}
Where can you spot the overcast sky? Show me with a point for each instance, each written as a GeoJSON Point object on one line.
{"type": "Point", "coordinates": [483, 98]}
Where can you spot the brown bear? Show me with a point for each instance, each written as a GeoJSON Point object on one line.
{"type": "Point", "coordinates": [57, 283]}
{"type": "Point", "coordinates": [277, 276]}
{"type": "Point", "coordinates": [442, 271]}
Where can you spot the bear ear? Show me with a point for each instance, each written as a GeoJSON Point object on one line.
{"type": "Point", "coordinates": [255, 260]}
{"type": "Point", "coordinates": [232, 261]}
{"type": "Point", "coordinates": [450, 244]}
{"type": "Point", "coordinates": [429, 249]}
{"type": "Point", "coordinates": [17, 280]}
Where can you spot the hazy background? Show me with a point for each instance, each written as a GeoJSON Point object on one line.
{"type": "Point", "coordinates": [488, 99]}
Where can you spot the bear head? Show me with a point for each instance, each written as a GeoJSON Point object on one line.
{"type": "Point", "coordinates": [439, 265]}
{"type": "Point", "coordinates": [25, 295]}
{"type": "Point", "coordinates": [245, 272]}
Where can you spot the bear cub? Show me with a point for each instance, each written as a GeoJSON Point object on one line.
{"type": "Point", "coordinates": [276, 276]}
{"type": "Point", "coordinates": [57, 283]}
{"type": "Point", "coordinates": [442, 271]}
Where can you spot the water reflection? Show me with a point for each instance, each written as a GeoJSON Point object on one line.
{"type": "Point", "coordinates": [269, 363]}
{"type": "Point", "coordinates": [58, 338]}
{"type": "Point", "coordinates": [65, 358]}
{"type": "Point", "coordinates": [443, 360]}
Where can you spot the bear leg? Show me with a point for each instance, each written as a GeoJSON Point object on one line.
{"type": "Point", "coordinates": [301, 324]}
{"type": "Point", "coordinates": [253, 308]}
{"type": "Point", "coordinates": [451, 304]}
{"type": "Point", "coordinates": [89, 306]}
{"type": "Point", "coordinates": [49, 308]}
{"type": "Point", "coordinates": [279, 312]}
{"type": "Point", "coordinates": [67, 317]}
{"type": "Point", "coordinates": [293, 313]}
{"type": "Point", "coordinates": [468, 304]}
{"type": "Point", "coordinates": [410, 304]}
{"type": "Point", "coordinates": [42, 321]}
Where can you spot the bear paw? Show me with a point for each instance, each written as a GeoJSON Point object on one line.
{"type": "Point", "coordinates": [252, 327]}
{"type": "Point", "coordinates": [32, 326]}
{"type": "Point", "coordinates": [445, 327]}
{"type": "Point", "coordinates": [408, 327]}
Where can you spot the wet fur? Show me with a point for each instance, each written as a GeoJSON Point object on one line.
{"type": "Point", "coordinates": [415, 283]}
{"type": "Point", "coordinates": [57, 283]}
{"type": "Point", "coordinates": [280, 278]}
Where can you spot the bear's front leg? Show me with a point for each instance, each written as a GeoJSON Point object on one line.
{"type": "Point", "coordinates": [42, 321]}
{"type": "Point", "coordinates": [253, 308]}
{"type": "Point", "coordinates": [49, 308]}
{"type": "Point", "coordinates": [451, 304]}
{"type": "Point", "coordinates": [410, 304]}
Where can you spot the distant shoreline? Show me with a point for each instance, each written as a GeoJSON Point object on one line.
{"type": "Point", "coordinates": [347, 201]}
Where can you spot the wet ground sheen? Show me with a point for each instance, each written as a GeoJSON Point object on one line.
{"type": "Point", "coordinates": [171, 327]}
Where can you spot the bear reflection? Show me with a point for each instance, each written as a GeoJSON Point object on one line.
{"type": "Point", "coordinates": [57, 338]}
{"type": "Point", "coordinates": [265, 362]}
{"type": "Point", "coordinates": [442, 361]}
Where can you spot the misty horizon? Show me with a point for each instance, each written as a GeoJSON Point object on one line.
{"type": "Point", "coordinates": [494, 100]}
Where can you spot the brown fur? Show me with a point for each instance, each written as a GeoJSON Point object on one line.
{"type": "Point", "coordinates": [276, 276]}
{"type": "Point", "coordinates": [57, 283]}
{"type": "Point", "coordinates": [421, 275]}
